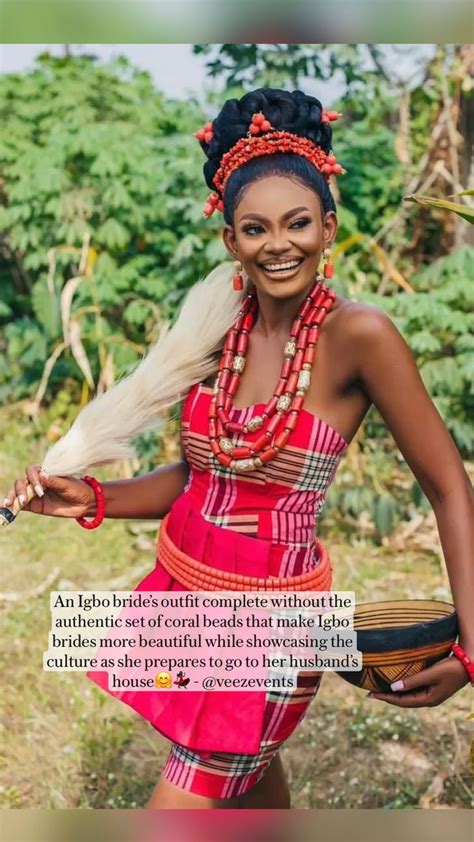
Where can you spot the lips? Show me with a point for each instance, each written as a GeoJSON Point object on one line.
{"type": "Point", "coordinates": [283, 267]}
{"type": "Point", "coordinates": [289, 263]}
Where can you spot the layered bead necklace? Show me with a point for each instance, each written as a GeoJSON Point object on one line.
{"type": "Point", "coordinates": [281, 413]}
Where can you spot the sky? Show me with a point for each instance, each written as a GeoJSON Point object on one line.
{"type": "Point", "coordinates": [177, 72]}
{"type": "Point", "coordinates": [174, 68]}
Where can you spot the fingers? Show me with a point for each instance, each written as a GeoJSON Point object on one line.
{"type": "Point", "coordinates": [439, 682]}
{"type": "Point", "coordinates": [428, 676]}
{"type": "Point", "coordinates": [34, 478]}
{"type": "Point", "coordinates": [20, 491]}
{"type": "Point", "coordinates": [422, 698]}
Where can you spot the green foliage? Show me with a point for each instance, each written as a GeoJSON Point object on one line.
{"type": "Point", "coordinates": [363, 139]}
{"type": "Point", "coordinates": [375, 488]}
{"type": "Point", "coordinates": [277, 65]}
{"type": "Point", "coordinates": [464, 211]}
{"type": "Point", "coordinates": [372, 188]}
{"type": "Point", "coordinates": [92, 151]}
{"type": "Point", "coordinates": [437, 321]}
{"type": "Point", "coordinates": [102, 182]}
{"type": "Point", "coordinates": [385, 514]}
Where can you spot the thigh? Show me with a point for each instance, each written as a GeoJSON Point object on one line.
{"type": "Point", "coordinates": [168, 796]}
{"type": "Point", "coordinates": [217, 775]}
{"type": "Point", "coordinates": [271, 791]}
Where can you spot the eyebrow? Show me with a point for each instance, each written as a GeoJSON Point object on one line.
{"type": "Point", "coordinates": [285, 215]}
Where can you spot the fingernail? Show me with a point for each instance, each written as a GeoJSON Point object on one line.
{"type": "Point", "coordinates": [370, 695]}
{"type": "Point", "coordinates": [5, 502]}
{"type": "Point", "coordinates": [397, 685]}
{"type": "Point", "coordinates": [21, 499]}
{"type": "Point", "coordinates": [39, 490]}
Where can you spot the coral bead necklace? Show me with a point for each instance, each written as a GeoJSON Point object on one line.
{"type": "Point", "coordinates": [280, 415]}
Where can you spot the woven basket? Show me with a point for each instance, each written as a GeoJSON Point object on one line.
{"type": "Point", "coordinates": [400, 638]}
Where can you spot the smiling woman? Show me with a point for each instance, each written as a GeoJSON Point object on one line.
{"type": "Point", "coordinates": [241, 509]}
{"type": "Point", "coordinates": [276, 244]}
{"type": "Point", "coordinates": [270, 161]}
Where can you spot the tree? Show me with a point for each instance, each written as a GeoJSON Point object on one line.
{"type": "Point", "coordinates": [101, 183]}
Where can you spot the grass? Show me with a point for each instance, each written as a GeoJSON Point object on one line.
{"type": "Point", "coordinates": [67, 744]}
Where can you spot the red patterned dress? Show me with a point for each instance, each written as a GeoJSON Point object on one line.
{"type": "Point", "coordinates": [260, 523]}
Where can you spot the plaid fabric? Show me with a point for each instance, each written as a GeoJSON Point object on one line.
{"type": "Point", "coordinates": [280, 502]}
{"type": "Point", "coordinates": [214, 520]}
{"type": "Point", "coordinates": [226, 775]}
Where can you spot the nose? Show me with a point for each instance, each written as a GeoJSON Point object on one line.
{"type": "Point", "coordinates": [276, 244]}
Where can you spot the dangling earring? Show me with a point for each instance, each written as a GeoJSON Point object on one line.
{"type": "Point", "coordinates": [328, 270]}
{"type": "Point", "coordinates": [238, 281]}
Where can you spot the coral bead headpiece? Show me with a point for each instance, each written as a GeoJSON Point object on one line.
{"type": "Point", "coordinates": [263, 139]}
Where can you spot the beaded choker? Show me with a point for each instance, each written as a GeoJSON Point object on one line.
{"type": "Point", "coordinates": [281, 413]}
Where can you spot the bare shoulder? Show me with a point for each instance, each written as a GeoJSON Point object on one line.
{"type": "Point", "coordinates": [363, 321]}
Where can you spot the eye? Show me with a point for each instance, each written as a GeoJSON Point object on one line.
{"type": "Point", "coordinates": [299, 223]}
{"type": "Point", "coordinates": [249, 228]}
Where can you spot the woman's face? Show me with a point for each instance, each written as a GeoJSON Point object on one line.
{"type": "Point", "coordinates": [279, 233]}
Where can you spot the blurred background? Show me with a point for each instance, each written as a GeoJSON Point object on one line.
{"type": "Point", "coordinates": [102, 234]}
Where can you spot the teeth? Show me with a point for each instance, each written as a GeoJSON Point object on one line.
{"type": "Point", "coordinates": [274, 267]}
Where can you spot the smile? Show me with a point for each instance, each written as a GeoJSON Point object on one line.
{"type": "Point", "coordinates": [283, 267]}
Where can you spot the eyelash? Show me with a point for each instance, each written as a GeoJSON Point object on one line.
{"type": "Point", "coordinates": [306, 220]}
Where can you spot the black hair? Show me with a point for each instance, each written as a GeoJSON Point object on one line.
{"type": "Point", "coordinates": [294, 112]}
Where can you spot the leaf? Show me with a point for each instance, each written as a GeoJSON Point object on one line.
{"type": "Point", "coordinates": [186, 248]}
{"type": "Point", "coordinates": [384, 514]}
{"type": "Point", "coordinates": [424, 342]}
{"type": "Point", "coordinates": [46, 308]}
{"type": "Point", "coordinates": [113, 235]}
{"type": "Point", "coordinates": [462, 210]}
{"type": "Point", "coordinates": [216, 251]}
{"type": "Point", "coordinates": [136, 313]}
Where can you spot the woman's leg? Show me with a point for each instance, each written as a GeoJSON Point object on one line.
{"type": "Point", "coordinates": [168, 796]}
{"type": "Point", "coordinates": [271, 792]}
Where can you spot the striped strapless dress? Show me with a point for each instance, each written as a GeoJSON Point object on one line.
{"type": "Point", "coordinates": [260, 523]}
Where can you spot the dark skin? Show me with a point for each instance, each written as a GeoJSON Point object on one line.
{"type": "Point", "coordinates": [361, 359]}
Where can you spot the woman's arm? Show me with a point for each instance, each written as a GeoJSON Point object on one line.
{"type": "Point", "coordinates": [391, 379]}
{"type": "Point", "coordinates": [144, 497]}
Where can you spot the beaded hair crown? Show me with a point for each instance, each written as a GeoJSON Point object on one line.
{"type": "Point", "coordinates": [263, 139]}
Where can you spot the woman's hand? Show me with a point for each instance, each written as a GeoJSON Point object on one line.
{"type": "Point", "coordinates": [60, 497]}
{"type": "Point", "coordinates": [429, 687]}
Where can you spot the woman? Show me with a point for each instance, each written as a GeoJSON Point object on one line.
{"type": "Point", "coordinates": [254, 510]}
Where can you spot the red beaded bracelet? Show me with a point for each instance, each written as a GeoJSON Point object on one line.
{"type": "Point", "coordinates": [100, 501]}
{"type": "Point", "coordinates": [462, 656]}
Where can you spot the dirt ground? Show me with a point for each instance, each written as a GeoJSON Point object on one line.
{"type": "Point", "coordinates": [66, 744]}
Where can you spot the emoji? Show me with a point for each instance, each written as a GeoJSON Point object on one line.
{"type": "Point", "coordinates": [163, 679]}
{"type": "Point", "coordinates": [181, 680]}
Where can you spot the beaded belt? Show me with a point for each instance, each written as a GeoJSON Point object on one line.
{"type": "Point", "coordinates": [196, 576]}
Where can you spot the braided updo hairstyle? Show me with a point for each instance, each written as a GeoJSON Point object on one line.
{"type": "Point", "coordinates": [294, 112]}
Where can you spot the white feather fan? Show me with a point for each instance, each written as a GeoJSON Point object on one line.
{"type": "Point", "coordinates": [184, 354]}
